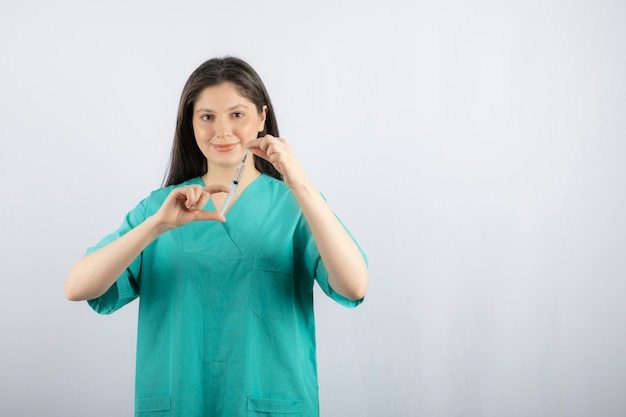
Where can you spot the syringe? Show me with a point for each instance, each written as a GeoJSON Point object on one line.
{"type": "Point", "coordinates": [235, 183]}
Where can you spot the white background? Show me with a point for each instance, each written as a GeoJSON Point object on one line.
{"type": "Point", "coordinates": [476, 150]}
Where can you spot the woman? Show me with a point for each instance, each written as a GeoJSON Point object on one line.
{"type": "Point", "coordinates": [226, 322]}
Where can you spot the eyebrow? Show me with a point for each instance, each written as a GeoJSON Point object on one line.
{"type": "Point", "coordinates": [236, 106]}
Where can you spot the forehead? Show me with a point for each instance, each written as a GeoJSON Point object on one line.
{"type": "Point", "coordinates": [223, 95]}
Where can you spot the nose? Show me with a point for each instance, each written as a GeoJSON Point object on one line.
{"type": "Point", "coordinates": [223, 128]}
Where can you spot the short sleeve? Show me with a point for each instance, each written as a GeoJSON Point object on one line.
{"type": "Point", "coordinates": [315, 266]}
{"type": "Point", "coordinates": [126, 288]}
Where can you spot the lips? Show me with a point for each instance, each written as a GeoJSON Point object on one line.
{"type": "Point", "coordinates": [226, 147]}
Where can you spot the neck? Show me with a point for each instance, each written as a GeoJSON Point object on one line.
{"type": "Point", "coordinates": [221, 174]}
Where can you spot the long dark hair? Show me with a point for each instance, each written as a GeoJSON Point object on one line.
{"type": "Point", "coordinates": [186, 159]}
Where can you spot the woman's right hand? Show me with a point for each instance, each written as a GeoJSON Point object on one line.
{"type": "Point", "coordinates": [185, 204]}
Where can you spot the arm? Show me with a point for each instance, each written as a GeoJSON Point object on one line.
{"type": "Point", "coordinates": [96, 272]}
{"type": "Point", "coordinates": [347, 271]}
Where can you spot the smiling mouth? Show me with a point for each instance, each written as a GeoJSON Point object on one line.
{"type": "Point", "coordinates": [226, 147]}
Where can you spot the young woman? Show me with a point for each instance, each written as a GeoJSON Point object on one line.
{"type": "Point", "coordinates": [226, 323]}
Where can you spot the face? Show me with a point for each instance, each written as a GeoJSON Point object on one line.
{"type": "Point", "coordinates": [223, 122]}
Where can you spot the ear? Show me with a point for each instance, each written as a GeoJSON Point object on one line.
{"type": "Point", "coordinates": [262, 118]}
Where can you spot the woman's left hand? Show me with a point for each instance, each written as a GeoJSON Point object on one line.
{"type": "Point", "coordinates": [279, 153]}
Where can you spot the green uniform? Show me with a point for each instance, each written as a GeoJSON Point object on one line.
{"type": "Point", "coordinates": [226, 323]}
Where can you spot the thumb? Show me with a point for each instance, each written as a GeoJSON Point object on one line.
{"type": "Point", "coordinates": [208, 215]}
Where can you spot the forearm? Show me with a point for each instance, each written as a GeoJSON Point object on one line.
{"type": "Point", "coordinates": [96, 272]}
{"type": "Point", "coordinates": [347, 270]}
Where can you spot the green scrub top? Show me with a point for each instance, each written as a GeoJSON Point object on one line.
{"type": "Point", "coordinates": [226, 324]}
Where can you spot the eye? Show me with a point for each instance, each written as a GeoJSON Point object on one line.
{"type": "Point", "coordinates": [207, 117]}
{"type": "Point", "coordinates": [238, 115]}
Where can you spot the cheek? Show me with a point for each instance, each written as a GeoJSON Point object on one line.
{"type": "Point", "coordinates": [242, 135]}
{"type": "Point", "coordinates": [250, 135]}
{"type": "Point", "coordinates": [200, 132]}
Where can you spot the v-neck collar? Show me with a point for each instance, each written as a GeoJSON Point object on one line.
{"type": "Point", "coordinates": [241, 223]}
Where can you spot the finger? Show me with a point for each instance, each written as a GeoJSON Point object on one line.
{"type": "Point", "coordinates": [202, 201]}
{"type": "Point", "coordinates": [254, 143]}
{"type": "Point", "coordinates": [258, 152]}
{"type": "Point", "coordinates": [216, 188]}
{"type": "Point", "coordinates": [201, 195]}
{"type": "Point", "coordinates": [267, 142]}
{"type": "Point", "coordinates": [192, 197]}
{"type": "Point", "coordinates": [208, 215]}
{"type": "Point", "coordinates": [262, 143]}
